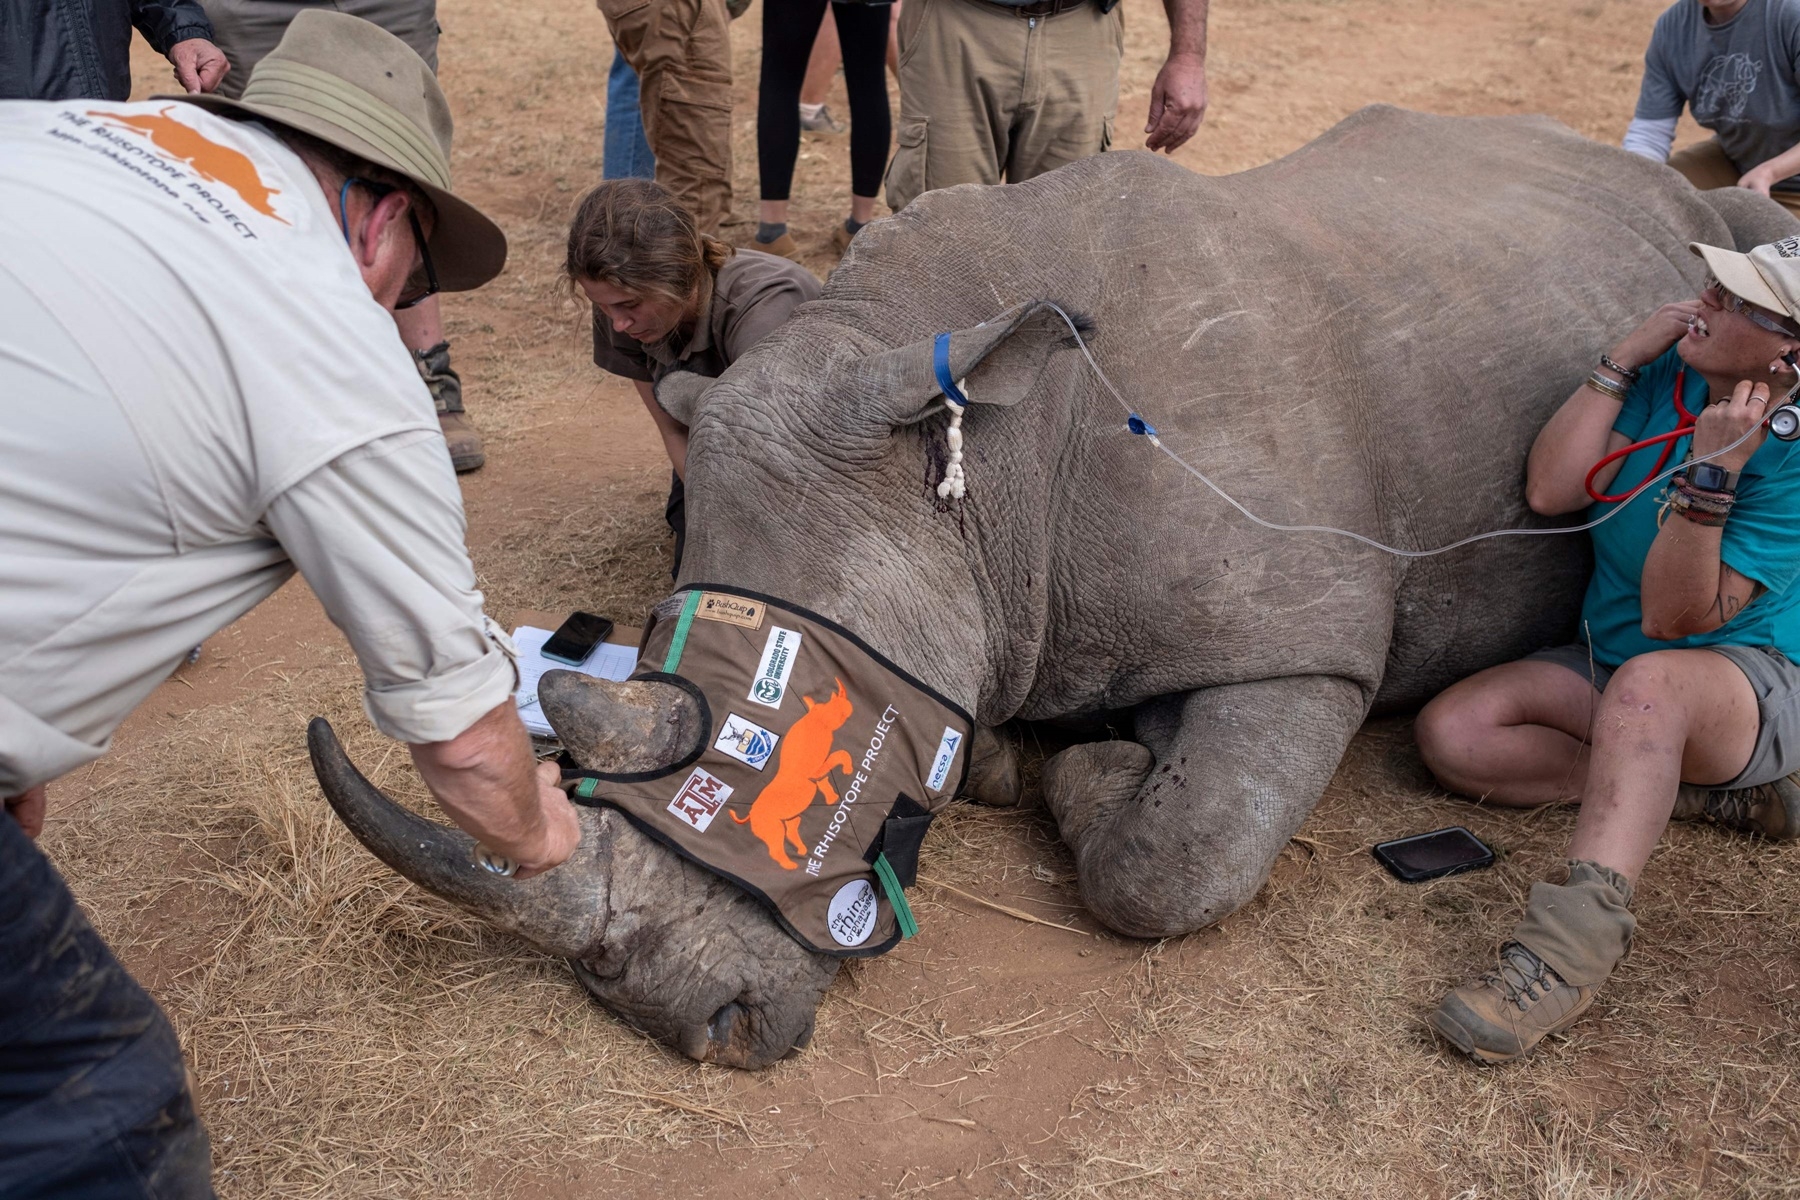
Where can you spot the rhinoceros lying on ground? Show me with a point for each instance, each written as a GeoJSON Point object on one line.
{"type": "Point", "coordinates": [1367, 333]}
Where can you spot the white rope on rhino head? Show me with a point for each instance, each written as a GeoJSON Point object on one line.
{"type": "Point", "coordinates": [955, 484]}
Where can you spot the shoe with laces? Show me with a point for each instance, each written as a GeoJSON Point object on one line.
{"type": "Point", "coordinates": [1507, 1012]}
{"type": "Point", "coordinates": [821, 121]}
{"type": "Point", "coordinates": [1770, 810]}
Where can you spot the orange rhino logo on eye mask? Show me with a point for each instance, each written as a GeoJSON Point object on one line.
{"type": "Point", "coordinates": [806, 761]}
{"type": "Point", "coordinates": [207, 158]}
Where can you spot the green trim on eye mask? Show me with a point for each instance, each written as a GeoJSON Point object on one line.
{"type": "Point", "coordinates": [890, 883]}
{"type": "Point", "coordinates": [677, 643]}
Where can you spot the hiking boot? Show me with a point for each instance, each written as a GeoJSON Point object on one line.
{"type": "Point", "coordinates": [460, 435]}
{"type": "Point", "coordinates": [1507, 1012]}
{"type": "Point", "coordinates": [1770, 810]}
{"type": "Point", "coordinates": [841, 237]}
{"type": "Point", "coordinates": [821, 121]}
{"type": "Point", "coordinates": [784, 246]}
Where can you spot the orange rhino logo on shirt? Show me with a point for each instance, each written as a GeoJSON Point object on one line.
{"type": "Point", "coordinates": [806, 761]}
{"type": "Point", "coordinates": [207, 158]}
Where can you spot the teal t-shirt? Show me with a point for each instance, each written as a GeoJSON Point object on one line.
{"type": "Point", "coordinates": [1761, 539]}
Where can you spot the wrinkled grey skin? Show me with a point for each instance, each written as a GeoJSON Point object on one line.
{"type": "Point", "coordinates": [1367, 333]}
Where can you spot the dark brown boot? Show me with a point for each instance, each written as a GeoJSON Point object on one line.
{"type": "Point", "coordinates": [1770, 810]}
{"type": "Point", "coordinates": [460, 435]}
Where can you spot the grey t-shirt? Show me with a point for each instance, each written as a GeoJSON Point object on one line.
{"type": "Point", "coordinates": [1741, 79]}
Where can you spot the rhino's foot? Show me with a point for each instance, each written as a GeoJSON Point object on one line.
{"type": "Point", "coordinates": [693, 961]}
{"type": "Point", "coordinates": [993, 767]}
{"type": "Point", "coordinates": [1085, 786]}
{"type": "Point", "coordinates": [1178, 832]}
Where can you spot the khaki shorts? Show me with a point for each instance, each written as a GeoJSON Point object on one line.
{"type": "Point", "coordinates": [1707, 166]}
{"type": "Point", "coordinates": [1774, 679]}
{"type": "Point", "coordinates": [246, 30]}
{"type": "Point", "coordinates": [987, 95]}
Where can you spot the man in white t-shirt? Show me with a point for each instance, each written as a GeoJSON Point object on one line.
{"type": "Point", "coordinates": [203, 391]}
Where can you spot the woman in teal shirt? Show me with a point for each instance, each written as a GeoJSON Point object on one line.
{"type": "Point", "coordinates": [1682, 697]}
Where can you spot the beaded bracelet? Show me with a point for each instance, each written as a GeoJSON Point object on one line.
{"type": "Point", "coordinates": [1710, 509]}
{"type": "Point", "coordinates": [1628, 374]}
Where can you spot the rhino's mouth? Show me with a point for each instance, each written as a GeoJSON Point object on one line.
{"type": "Point", "coordinates": [677, 952]}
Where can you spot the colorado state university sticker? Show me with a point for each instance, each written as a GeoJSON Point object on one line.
{"type": "Point", "coordinates": [852, 915]}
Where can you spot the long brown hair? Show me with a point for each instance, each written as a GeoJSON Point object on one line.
{"type": "Point", "coordinates": [633, 234]}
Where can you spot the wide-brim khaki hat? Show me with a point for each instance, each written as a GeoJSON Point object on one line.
{"type": "Point", "coordinates": [353, 84]}
{"type": "Point", "coordinates": [1768, 276]}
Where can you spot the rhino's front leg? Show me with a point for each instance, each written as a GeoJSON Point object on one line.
{"type": "Point", "coordinates": [1177, 832]}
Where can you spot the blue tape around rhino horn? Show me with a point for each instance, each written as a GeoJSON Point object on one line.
{"type": "Point", "coordinates": [940, 362]}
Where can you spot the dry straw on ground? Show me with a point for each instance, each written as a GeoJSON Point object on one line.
{"type": "Point", "coordinates": [352, 1037]}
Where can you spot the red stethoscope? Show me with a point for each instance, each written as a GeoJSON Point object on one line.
{"type": "Point", "coordinates": [1783, 422]}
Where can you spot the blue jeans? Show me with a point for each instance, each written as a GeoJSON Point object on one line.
{"type": "Point", "coordinates": [94, 1101]}
{"type": "Point", "coordinates": [625, 152]}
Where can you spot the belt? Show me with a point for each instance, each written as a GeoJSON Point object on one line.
{"type": "Point", "coordinates": [1038, 8]}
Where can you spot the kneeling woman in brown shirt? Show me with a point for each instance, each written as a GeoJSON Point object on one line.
{"type": "Point", "coordinates": [669, 298]}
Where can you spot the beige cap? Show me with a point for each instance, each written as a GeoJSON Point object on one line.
{"type": "Point", "coordinates": [353, 84]}
{"type": "Point", "coordinates": [1768, 276]}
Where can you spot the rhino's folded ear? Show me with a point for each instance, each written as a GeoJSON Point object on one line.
{"type": "Point", "coordinates": [679, 392]}
{"type": "Point", "coordinates": [999, 361]}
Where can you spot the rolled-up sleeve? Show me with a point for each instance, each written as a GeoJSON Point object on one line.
{"type": "Point", "coordinates": [378, 534]}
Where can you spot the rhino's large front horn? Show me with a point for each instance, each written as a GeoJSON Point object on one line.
{"type": "Point", "coordinates": [562, 911]}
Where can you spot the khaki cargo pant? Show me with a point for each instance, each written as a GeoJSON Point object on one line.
{"type": "Point", "coordinates": [246, 30]}
{"type": "Point", "coordinates": [1707, 166]}
{"type": "Point", "coordinates": [986, 94]}
{"type": "Point", "coordinates": [681, 51]}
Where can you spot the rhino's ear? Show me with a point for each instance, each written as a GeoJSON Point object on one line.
{"type": "Point", "coordinates": [679, 394]}
{"type": "Point", "coordinates": [996, 362]}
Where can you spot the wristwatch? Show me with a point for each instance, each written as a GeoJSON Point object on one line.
{"type": "Point", "coordinates": [1711, 477]}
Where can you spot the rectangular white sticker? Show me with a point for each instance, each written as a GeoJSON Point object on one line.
{"type": "Point", "coordinates": [946, 754]}
{"type": "Point", "coordinates": [746, 741]}
{"type": "Point", "coordinates": [700, 799]}
{"type": "Point", "coordinates": [770, 682]}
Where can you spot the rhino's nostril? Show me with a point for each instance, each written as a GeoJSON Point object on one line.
{"type": "Point", "coordinates": [719, 1030]}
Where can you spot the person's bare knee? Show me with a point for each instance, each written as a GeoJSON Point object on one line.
{"type": "Point", "coordinates": [1644, 698]}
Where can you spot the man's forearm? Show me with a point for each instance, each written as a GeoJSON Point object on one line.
{"type": "Point", "coordinates": [1187, 27]}
{"type": "Point", "coordinates": [1781, 167]}
{"type": "Point", "coordinates": [486, 779]}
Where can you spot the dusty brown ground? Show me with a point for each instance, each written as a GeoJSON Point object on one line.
{"type": "Point", "coordinates": [352, 1037]}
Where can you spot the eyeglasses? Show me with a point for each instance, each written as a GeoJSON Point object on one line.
{"type": "Point", "coordinates": [1730, 301]}
{"type": "Point", "coordinates": [423, 282]}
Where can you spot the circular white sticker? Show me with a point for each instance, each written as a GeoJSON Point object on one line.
{"type": "Point", "coordinates": [852, 914]}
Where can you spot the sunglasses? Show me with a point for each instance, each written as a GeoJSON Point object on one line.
{"type": "Point", "coordinates": [423, 282]}
{"type": "Point", "coordinates": [1730, 301]}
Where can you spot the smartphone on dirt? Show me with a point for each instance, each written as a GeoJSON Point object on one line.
{"type": "Point", "coordinates": [1433, 855]}
{"type": "Point", "coordinates": [576, 638]}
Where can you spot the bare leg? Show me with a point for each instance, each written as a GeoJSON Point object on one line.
{"type": "Point", "coordinates": [1519, 734]}
{"type": "Point", "coordinates": [1515, 734]}
{"type": "Point", "coordinates": [1669, 716]}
